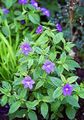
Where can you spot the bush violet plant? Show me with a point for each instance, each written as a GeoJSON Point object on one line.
{"type": "Point", "coordinates": [34, 80]}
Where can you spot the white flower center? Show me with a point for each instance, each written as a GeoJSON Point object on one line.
{"type": "Point", "coordinates": [25, 48]}
{"type": "Point", "coordinates": [67, 89]}
{"type": "Point", "coordinates": [48, 66]}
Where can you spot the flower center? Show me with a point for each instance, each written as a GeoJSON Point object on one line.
{"type": "Point", "coordinates": [25, 48]}
{"type": "Point", "coordinates": [67, 89]}
{"type": "Point", "coordinates": [48, 66]}
{"type": "Point", "coordinates": [35, 4]}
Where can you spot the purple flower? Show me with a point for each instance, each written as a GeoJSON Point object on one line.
{"type": "Point", "coordinates": [45, 12]}
{"type": "Point", "coordinates": [4, 111]}
{"type": "Point", "coordinates": [28, 82]}
{"type": "Point", "coordinates": [39, 29]}
{"type": "Point", "coordinates": [22, 22]}
{"type": "Point", "coordinates": [48, 66]}
{"type": "Point", "coordinates": [22, 1]}
{"type": "Point", "coordinates": [25, 48]}
{"type": "Point", "coordinates": [34, 4]}
{"type": "Point", "coordinates": [67, 89]}
{"type": "Point", "coordinates": [59, 28]}
{"type": "Point", "coordinates": [5, 11]}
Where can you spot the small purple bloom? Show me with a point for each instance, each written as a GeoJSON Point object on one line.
{"type": "Point", "coordinates": [4, 111]}
{"type": "Point", "coordinates": [22, 22]}
{"type": "Point", "coordinates": [25, 48]}
{"type": "Point", "coordinates": [48, 66]}
{"type": "Point", "coordinates": [59, 28]}
{"type": "Point", "coordinates": [28, 82]}
{"type": "Point", "coordinates": [67, 89]}
{"type": "Point", "coordinates": [39, 29]}
{"type": "Point", "coordinates": [45, 12]}
{"type": "Point", "coordinates": [34, 3]}
{"type": "Point", "coordinates": [5, 11]}
{"type": "Point", "coordinates": [22, 1]}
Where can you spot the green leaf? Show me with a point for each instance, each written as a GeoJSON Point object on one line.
{"type": "Point", "coordinates": [72, 64]}
{"type": "Point", "coordinates": [57, 92]}
{"type": "Point", "coordinates": [52, 56]}
{"type": "Point", "coordinates": [41, 59]}
{"type": "Point", "coordinates": [30, 7]}
{"type": "Point", "coordinates": [47, 50]}
{"type": "Point", "coordinates": [72, 79]}
{"type": "Point", "coordinates": [34, 18]}
{"type": "Point", "coordinates": [72, 101]}
{"type": "Point", "coordinates": [60, 69]}
{"type": "Point", "coordinates": [6, 85]}
{"type": "Point", "coordinates": [32, 115]}
{"type": "Point", "coordinates": [63, 78]}
{"type": "Point", "coordinates": [23, 93]}
{"type": "Point", "coordinates": [56, 81]}
{"type": "Point", "coordinates": [63, 57]}
{"type": "Point", "coordinates": [12, 99]}
{"type": "Point", "coordinates": [20, 113]}
{"type": "Point", "coordinates": [14, 107]}
{"type": "Point", "coordinates": [4, 91]}
{"type": "Point", "coordinates": [31, 105]}
{"type": "Point", "coordinates": [39, 84]}
{"type": "Point", "coordinates": [17, 81]}
{"type": "Point", "coordinates": [4, 100]}
{"type": "Point", "coordinates": [53, 116]}
{"type": "Point", "coordinates": [55, 105]}
{"type": "Point", "coordinates": [30, 63]}
{"type": "Point", "coordinates": [68, 46]}
{"type": "Point", "coordinates": [44, 109]}
{"type": "Point", "coordinates": [50, 33]}
{"type": "Point", "coordinates": [70, 112]}
{"type": "Point", "coordinates": [17, 12]}
{"type": "Point", "coordinates": [66, 67]}
{"type": "Point", "coordinates": [58, 37]}
{"type": "Point", "coordinates": [38, 50]}
{"type": "Point", "coordinates": [41, 41]}
{"type": "Point", "coordinates": [20, 17]}
{"type": "Point", "coordinates": [5, 31]}
{"type": "Point", "coordinates": [47, 99]}
{"type": "Point", "coordinates": [9, 3]}
{"type": "Point", "coordinates": [81, 93]}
